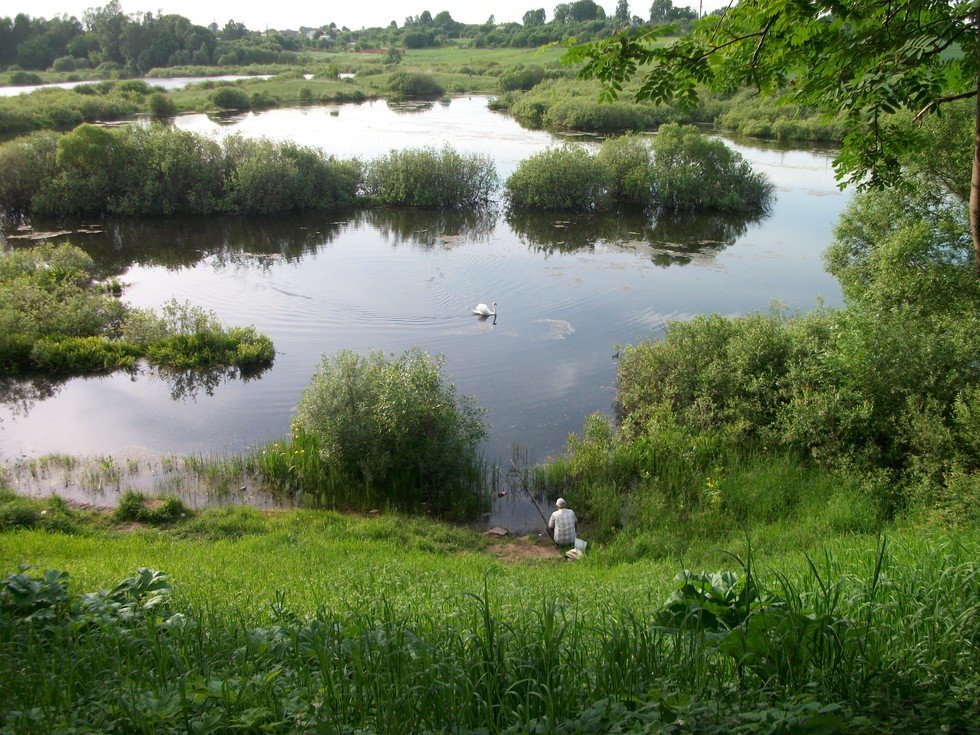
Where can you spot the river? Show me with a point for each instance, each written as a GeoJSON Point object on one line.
{"type": "Point", "coordinates": [570, 291]}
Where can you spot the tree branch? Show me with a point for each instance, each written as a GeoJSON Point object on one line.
{"type": "Point", "coordinates": [762, 41]}
{"type": "Point", "coordinates": [941, 101]}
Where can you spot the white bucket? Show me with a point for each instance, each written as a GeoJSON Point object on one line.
{"type": "Point", "coordinates": [580, 545]}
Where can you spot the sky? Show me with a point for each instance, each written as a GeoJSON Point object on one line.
{"type": "Point", "coordinates": [296, 13]}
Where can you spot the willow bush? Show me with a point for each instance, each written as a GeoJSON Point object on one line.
{"type": "Point", "coordinates": [415, 85]}
{"type": "Point", "coordinates": [431, 178]}
{"type": "Point", "coordinates": [695, 173]}
{"type": "Point", "coordinates": [395, 429]}
{"type": "Point", "coordinates": [562, 179]}
{"type": "Point", "coordinates": [679, 169]}
{"type": "Point", "coordinates": [159, 171]}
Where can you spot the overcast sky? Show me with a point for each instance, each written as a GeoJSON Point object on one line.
{"type": "Point", "coordinates": [296, 13]}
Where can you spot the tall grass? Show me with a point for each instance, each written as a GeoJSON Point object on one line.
{"type": "Point", "coordinates": [856, 642]}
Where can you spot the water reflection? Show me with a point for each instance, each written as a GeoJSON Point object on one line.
{"type": "Point", "coordinates": [223, 241]}
{"type": "Point", "coordinates": [189, 385]}
{"type": "Point", "coordinates": [224, 119]}
{"type": "Point", "coordinates": [429, 229]}
{"type": "Point", "coordinates": [20, 395]}
{"type": "Point", "coordinates": [408, 107]}
{"type": "Point", "coordinates": [675, 239]}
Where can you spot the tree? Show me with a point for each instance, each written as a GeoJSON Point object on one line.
{"type": "Point", "coordinates": [863, 59]}
{"type": "Point", "coordinates": [107, 23]}
{"type": "Point", "coordinates": [585, 10]}
{"type": "Point", "coordinates": [660, 11]}
{"type": "Point", "coordinates": [534, 17]}
{"type": "Point", "coordinates": [623, 11]}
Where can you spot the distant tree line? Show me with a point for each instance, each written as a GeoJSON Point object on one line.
{"type": "Point", "coordinates": [109, 38]}
{"type": "Point", "coordinates": [136, 43]}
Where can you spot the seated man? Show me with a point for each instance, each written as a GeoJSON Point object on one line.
{"type": "Point", "coordinates": [563, 521]}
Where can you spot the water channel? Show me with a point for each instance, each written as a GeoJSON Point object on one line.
{"type": "Point", "coordinates": [167, 83]}
{"type": "Point", "coordinates": [569, 289]}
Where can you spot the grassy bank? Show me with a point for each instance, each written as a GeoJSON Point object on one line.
{"type": "Point", "coordinates": [310, 621]}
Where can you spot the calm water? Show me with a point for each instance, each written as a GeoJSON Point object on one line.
{"type": "Point", "coordinates": [167, 83]}
{"type": "Point", "coordinates": [570, 289]}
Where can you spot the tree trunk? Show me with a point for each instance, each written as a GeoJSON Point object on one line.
{"type": "Point", "coordinates": [975, 181]}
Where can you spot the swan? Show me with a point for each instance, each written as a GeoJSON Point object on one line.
{"type": "Point", "coordinates": [484, 310]}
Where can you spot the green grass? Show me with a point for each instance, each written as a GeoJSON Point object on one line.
{"type": "Point", "coordinates": [316, 622]}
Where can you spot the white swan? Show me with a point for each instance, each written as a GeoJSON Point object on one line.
{"type": "Point", "coordinates": [484, 310]}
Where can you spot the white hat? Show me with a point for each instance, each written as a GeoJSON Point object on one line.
{"type": "Point", "coordinates": [560, 503]}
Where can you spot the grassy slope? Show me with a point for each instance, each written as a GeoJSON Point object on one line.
{"type": "Point", "coordinates": [239, 558]}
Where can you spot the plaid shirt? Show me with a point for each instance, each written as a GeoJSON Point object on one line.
{"type": "Point", "coordinates": [563, 521]}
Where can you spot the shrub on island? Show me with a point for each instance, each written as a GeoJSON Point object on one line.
{"type": "Point", "coordinates": [431, 178]}
{"type": "Point", "coordinates": [681, 170]}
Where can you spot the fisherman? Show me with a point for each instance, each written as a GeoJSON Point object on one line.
{"type": "Point", "coordinates": [563, 522]}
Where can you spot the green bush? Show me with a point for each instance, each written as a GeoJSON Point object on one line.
{"type": "Point", "coordinates": [750, 114]}
{"type": "Point", "coordinates": [25, 79]}
{"type": "Point", "coordinates": [264, 177]}
{"type": "Point", "coordinates": [26, 164]}
{"type": "Point", "coordinates": [436, 179]}
{"type": "Point", "coordinates": [230, 98]}
{"type": "Point", "coordinates": [906, 247]}
{"type": "Point", "coordinates": [161, 171]}
{"type": "Point", "coordinates": [92, 170]}
{"type": "Point", "coordinates": [718, 374]}
{"type": "Point", "coordinates": [395, 427]}
{"type": "Point", "coordinates": [520, 77]}
{"type": "Point", "coordinates": [134, 507]}
{"type": "Point", "coordinates": [46, 293]}
{"type": "Point", "coordinates": [694, 173]}
{"type": "Point", "coordinates": [628, 161]}
{"type": "Point", "coordinates": [64, 63]}
{"type": "Point", "coordinates": [415, 85]}
{"type": "Point", "coordinates": [562, 179]}
{"type": "Point", "coordinates": [162, 105]}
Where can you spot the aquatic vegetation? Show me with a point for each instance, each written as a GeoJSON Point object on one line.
{"type": "Point", "coordinates": [679, 169]}
{"type": "Point", "coordinates": [26, 164]}
{"type": "Point", "coordinates": [628, 161]}
{"type": "Point", "coordinates": [431, 178]}
{"type": "Point", "coordinates": [415, 85]}
{"type": "Point", "coordinates": [55, 320]}
{"type": "Point", "coordinates": [692, 172]}
{"type": "Point", "coordinates": [230, 98]}
{"type": "Point", "coordinates": [561, 179]}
